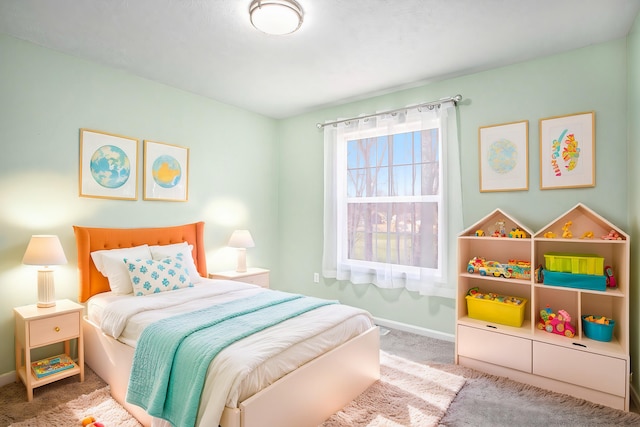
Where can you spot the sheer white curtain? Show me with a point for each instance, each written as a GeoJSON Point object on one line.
{"type": "Point", "coordinates": [439, 281]}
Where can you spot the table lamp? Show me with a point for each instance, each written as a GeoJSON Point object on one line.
{"type": "Point", "coordinates": [45, 250]}
{"type": "Point", "coordinates": [242, 240]}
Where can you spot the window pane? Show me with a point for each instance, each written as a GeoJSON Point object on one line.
{"type": "Point", "coordinates": [382, 151]}
{"type": "Point", "coordinates": [404, 181]}
{"type": "Point", "coordinates": [395, 233]}
{"type": "Point", "coordinates": [403, 148]}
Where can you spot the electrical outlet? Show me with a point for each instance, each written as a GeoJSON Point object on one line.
{"type": "Point", "coordinates": [316, 277]}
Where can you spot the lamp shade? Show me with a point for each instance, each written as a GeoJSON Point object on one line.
{"type": "Point", "coordinates": [44, 250]}
{"type": "Point", "coordinates": [276, 17]}
{"type": "Point", "coordinates": [241, 239]}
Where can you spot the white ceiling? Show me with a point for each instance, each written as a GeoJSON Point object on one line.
{"type": "Point", "coordinates": [345, 50]}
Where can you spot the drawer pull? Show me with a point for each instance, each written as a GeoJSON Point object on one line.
{"type": "Point", "coordinates": [57, 329]}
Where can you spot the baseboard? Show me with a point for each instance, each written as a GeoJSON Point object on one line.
{"type": "Point", "coordinates": [418, 330]}
{"type": "Point", "coordinates": [635, 397]}
{"type": "Point", "coordinates": [7, 378]}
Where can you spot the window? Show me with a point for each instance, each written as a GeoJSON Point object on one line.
{"type": "Point", "coordinates": [385, 201]}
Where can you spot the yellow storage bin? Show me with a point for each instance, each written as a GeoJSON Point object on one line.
{"type": "Point", "coordinates": [574, 263]}
{"type": "Point", "coordinates": [496, 311]}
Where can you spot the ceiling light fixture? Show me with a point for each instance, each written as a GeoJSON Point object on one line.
{"type": "Point", "coordinates": [277, 17]}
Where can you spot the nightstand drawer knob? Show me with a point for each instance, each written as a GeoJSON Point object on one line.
{"type": "Point", "coordinates": [57, 329]}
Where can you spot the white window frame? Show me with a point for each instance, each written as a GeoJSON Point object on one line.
{"type": "Point", "coordinates": [341, 184]}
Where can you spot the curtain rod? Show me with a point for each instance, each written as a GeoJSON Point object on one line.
{"type": "Point", "coordinates": [455, 100]}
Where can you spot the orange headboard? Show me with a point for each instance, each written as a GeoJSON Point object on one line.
{"type": "Point", "coordinates": [92, 282]}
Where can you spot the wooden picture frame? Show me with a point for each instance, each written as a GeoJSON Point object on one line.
{"type": "Point", "coordinates": [166, 172]}
{"type": "Point", "coordinates": [504, 157]}
{"type": "Point", "coordinates": [108, 165]}
{"type": "Point", "coordinates": [567, 151]}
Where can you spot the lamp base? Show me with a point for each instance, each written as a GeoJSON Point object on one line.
{"type": "Point", "coordinates": [242, 261]}
{"type": "Point", "coordinates": [46, 290]}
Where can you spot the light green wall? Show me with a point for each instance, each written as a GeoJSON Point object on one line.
{"type": "Point", "coordinates": [633, 47]}
{"type": "Point", "coordinates": [589, 79]}
{"type": "Point", "coordinates": [266, 175]}
{"type": "Point", "coordinates": [46, 97]}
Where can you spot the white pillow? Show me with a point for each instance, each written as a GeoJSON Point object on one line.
{"type": "Point", "coordinates": [150, 276]}
{"type": "Point", "coordinates": [110, 262]}
{"type": "Point", "coordinates": [159, 252]}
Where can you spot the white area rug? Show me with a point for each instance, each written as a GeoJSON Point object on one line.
{"type": "Point", "coordinates": [98, 404]}
{"type": "Point", "coordinates": [408, 394]}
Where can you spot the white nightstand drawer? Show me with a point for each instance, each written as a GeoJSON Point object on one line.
{"type": "Point", "coordinates": [54, 329]}
{"type": "Point", "coordinates": [258, 279]}
{"type": "Point", "coordinates": [255, 276]}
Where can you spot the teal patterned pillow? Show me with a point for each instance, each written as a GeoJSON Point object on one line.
{"type": "Point", "coordinates": [150, 276]}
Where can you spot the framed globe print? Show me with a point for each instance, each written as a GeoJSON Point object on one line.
{"type": "Point", "coordinates": [503, 156]}
{"type": "Point", "coordinates": [108, 165]}
{"type": "Point", "coordinates": [166, 172]}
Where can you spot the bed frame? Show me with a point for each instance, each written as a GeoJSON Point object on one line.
{"type": "Point", "coordinates": [305, 397]}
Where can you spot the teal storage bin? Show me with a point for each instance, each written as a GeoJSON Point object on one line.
{"type": "Point", "coordinates": [578, 281]}
{"type": "Point", "coordinates": [597, 331]}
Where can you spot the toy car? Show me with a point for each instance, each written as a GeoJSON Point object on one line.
{"type": "Point", "coordinates": [488, 268]}
{"type": "Point", "coordinates": [556, 323]}
{"type": "Point", "coordinates": [613, 235]}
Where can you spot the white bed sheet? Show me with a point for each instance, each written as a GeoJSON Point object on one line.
{"type": "Point", "coordinates": [246, 366]}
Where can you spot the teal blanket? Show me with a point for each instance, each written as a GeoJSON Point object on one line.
{"type": "Point", "coordinates": [172, 356]}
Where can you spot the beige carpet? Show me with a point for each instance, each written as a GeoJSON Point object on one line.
{"type": "Point", "coordinates": [408, 394]}
{"type": "Point", "coordinates": [98, 404]}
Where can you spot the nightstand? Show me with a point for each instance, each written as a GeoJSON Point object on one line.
{"type": "Point", "coordinates": [255, 276]}
{"type": "Point", "coordinates": [36, 327]}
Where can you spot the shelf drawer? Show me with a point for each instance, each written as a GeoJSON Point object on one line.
{"type": "Point", "coordinates": [54, 329]}
{"type": "Point", "coordinates": [595, 371]}
{"type": "Point", "coordinates": [494, 347]}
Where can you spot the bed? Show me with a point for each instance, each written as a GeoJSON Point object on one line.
{"type": "Point", "coordinates": [304, 396]}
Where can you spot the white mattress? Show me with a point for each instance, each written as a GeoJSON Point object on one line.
{"type": "Point", "coordinates": [246, 366]}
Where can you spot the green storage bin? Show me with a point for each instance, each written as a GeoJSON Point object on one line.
{"type": "Point", "coordinates": [574, 263]}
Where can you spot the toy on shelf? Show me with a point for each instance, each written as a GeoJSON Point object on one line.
{"type": "Point", "coordinates": [587, 235]}
{"type": "Point", "coordinates": [556, 323]}
{"type": "Point", "coordinates": [539, 274]}
{"type": "Point", "coordinates": [519, 269]}
{"type": "Point", "coordinates": [516, 233]}
{"type": "Point", "coordinates": [611, 281]}
{"type": "Point", "coordinates": [480, 233]}
{"type": "Point", "coordinates": [613, 235]}
{"type": "Point", "coordinates": [550, 235]}
{"type": "Point", "coordinates": [476, 293]}
{"type": "Point", "coordinates": [500, 230]}
{"type": "Point", "coordinates": [487, 268]}
{"type": "Point", "coordinates": [566, 232]}
{"type": "Point", "coordinates": [515, 269]}
{"type": "Point", "coordinates": [602, 320]}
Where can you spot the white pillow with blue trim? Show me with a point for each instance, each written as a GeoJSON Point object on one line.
{"type": "Point", "coordinates": [150, 276]}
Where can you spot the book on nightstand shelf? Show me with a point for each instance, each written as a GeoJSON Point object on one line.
{"type": "Point", "coordinates": [51, 365]}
